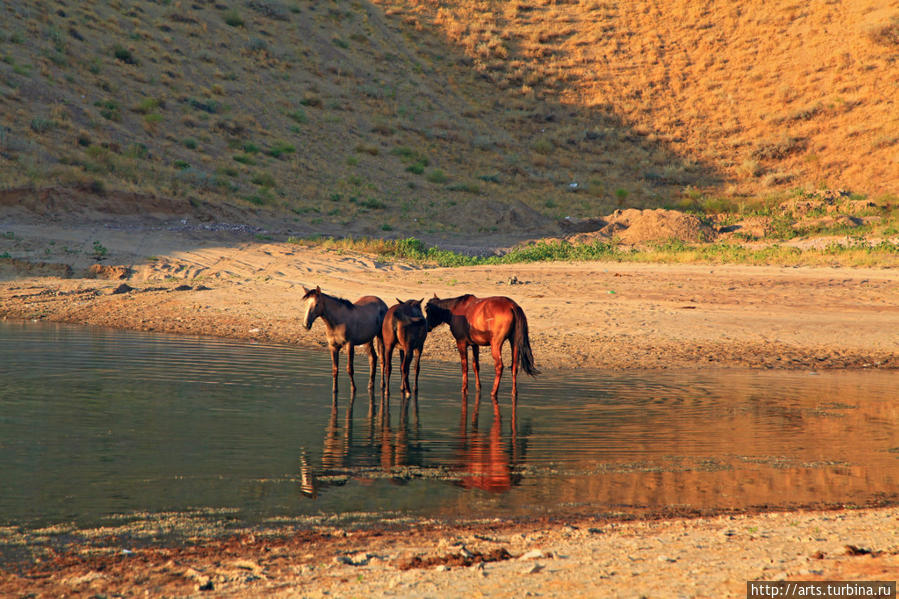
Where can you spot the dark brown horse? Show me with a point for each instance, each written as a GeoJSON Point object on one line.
{"type": "Point", "coordinates": [489, 321]}
{"type": "Point", "coordinates": [404, 325]}
{"type": "Point", "coordinates": [347, 324]}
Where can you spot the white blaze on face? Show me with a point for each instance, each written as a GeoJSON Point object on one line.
{"type": "Point", "coordinates": [310, 304]}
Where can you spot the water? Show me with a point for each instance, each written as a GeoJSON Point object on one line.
{"type": "Point", "coordinates": [98, 422]}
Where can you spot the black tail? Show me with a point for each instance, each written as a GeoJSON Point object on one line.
{"type": "Point", "coordinates": [523, 343]}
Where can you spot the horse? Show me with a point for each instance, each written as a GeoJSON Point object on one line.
{"type": "Point", "coordinates": [347, 324]}
{"type": "Point", "coordinates": [404, 324]}
{"type": "Point", "coordinates": [475, 321]}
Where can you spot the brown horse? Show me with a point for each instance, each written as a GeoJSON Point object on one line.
{"type": "Point", "coordinates": [347, 324]}
{"type": "Point", "coordinates": [489, 321]}
{"type": "Point", "coordinates": [404, 325]}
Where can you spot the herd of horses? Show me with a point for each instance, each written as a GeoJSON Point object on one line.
{"type": "Point", "coordinates": [473, 322]}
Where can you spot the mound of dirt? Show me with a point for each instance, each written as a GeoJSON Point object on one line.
{"type": "Point", "coordinates": [634, 226]}
{"type": "Point", "coordinates": [103, 271]}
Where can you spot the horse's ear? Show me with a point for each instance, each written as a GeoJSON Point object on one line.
{"type": "Point", "coordinates": [398, 300]}
{"type": "Point", "coordinates": [306, 290]}
{"type": "Point", "coordinates": [420, 301]}
{"type": "Point", "coordinates": [435, 296]}
{"type": "Point", "coordinates": [318, 289]}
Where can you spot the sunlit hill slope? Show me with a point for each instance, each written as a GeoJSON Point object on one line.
{"type": "Point", "coordinates": [455, 116]}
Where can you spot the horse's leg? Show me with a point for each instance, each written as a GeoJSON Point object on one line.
{"type": "Point", "coordinates": [407, 361]}
{"type": "Point", "coordinates": [476, 364]}
{"type": "Point", "coordinates": [497, 351]}
{"type": "Point", "coordinates": [386, 368]}
{"type": "Point", "coordinates": [350, 354]}
{"type": "Point", "coordinates": [381, 355]}
{"type": "Point", "coordinates": [335, 359]}
{"type": "Point", "coordinates": [417, 369]}
{"type": "Point", "coordinates": [372, 366]}
{"type": "Point", "coordinates": [463, 354]}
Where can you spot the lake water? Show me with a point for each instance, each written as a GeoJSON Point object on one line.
{"type": "Point", "coordinates": [96, 422]}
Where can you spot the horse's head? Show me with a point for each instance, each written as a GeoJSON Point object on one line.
{"type": "Point", "coordinates": [436, 314]}
{"type": "Point", "coordinates": [314, 308]}
{"type": "Point", "coordinates": [409, 311]}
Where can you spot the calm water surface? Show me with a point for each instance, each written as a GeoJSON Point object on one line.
{"type": "Point", "coordinates": [98, 422]}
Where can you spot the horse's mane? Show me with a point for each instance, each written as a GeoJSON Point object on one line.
{"type": "Point", "coordinates": [450, 301]}
{"type": "Point", "coordinates": [344, 302]}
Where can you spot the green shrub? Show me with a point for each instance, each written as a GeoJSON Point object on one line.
{"type": "Point", "coordinates": [280, 148]}
{"type": "Point", "coordinates": [147, 105]}
{"type": "Point", "coordinates": [109, 109]}
{"type": "Point", "coordinates": [123, 54]}
{"type": "Point", "coordinates": [40, 125]}
{"type": "Point", "coordinates": [437, 176]}
{"type": "Point", "coordinates": [263, 179]}
{"type": "Point", "coordinates": [233, 18]}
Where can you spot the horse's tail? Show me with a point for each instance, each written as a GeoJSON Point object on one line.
{"type": "Point", "coordinates": [523, 343]}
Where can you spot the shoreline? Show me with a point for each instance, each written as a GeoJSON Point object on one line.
{"type": "Point", "coordinates": [701, 555]}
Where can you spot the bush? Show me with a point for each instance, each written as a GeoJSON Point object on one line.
{"type": "Point", "coordinates": [437, 176]}
{"type": "Point", "coordinates": [280, 148]}
{"type": "Point", "coordinates": [233, 18]}
{"type": "Point", "coordinates": [123, 54]}
{"type": "Point", "coordinates": [40, 125]}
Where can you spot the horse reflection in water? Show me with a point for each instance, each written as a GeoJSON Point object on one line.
{"type": "Point", "coordinates": [484, 461]}
{"type": "Point", "coordinates": [380, 449]}
{"type": "Point", "coordinates": [487, 461]}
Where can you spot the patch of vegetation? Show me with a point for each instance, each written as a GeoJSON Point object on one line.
{"type": "Point", "coordinates": [299, 116]}
{"type": "Point", "coordinates": [41, 125]}
{"type": "Point", "coordinates": [99, 251]}
{"type": "Point", "coordinates": [859, 253]}
{"type": "Point", "coordinates": [279, 148]}
{"type": "Point", "coordinates": [263, 179]}
{"type": "Point", "coordinates": [109, 109]}
{"type": "Point", "coordinates": [210, 106]}
{"type": "Point", "coordinates": [147, 105]}
{"type": "Point", "coordinates": [123, 54]}
{"type": "Point", "coordinates": [233, 18]}
{"type": "Point", "coordinates": [437, 176]}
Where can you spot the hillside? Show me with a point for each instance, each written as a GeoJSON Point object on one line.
{"type": "Point", "coordinates": [403, 115]}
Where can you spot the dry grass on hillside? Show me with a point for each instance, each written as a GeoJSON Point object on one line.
{"type": "Point", "coordinates": [767, 93]}
{"type": "Point", "coordinates": [410, 116]}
